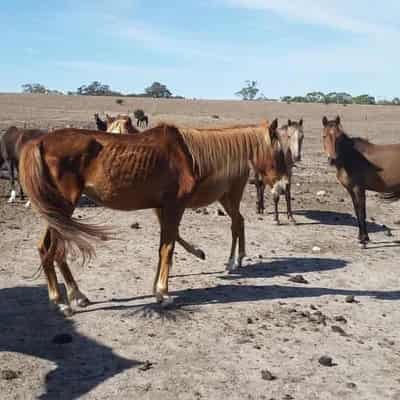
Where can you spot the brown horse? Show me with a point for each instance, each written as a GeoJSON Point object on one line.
{"type": "Point", "coordinates": [360, 166]}
{"type": "Point", "coordinates": [291, 137]}
{"type": "Point", "coordinates": [11, 143]}
{"type": "Point", "coordinates": [164, 168]}
{"type": "Point", "coordinates": [121, 124]}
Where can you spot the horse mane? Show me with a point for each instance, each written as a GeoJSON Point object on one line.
{"type": "Point", "coordinates": [226, 151]}
{"type": "Point", "coordinates": [349, 157]}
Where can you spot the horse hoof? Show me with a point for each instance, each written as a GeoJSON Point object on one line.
{"type": "Point", "coordinates": [363, 245]}
{"type": "Point", "coordinates": [83, 302]}
{"type": "Point", "coordinates": [63, 309]}
{"type": "Point", "coordinates": [276, 222]}
{"type": "Point", "coordinates": [292, 221]}
{"type": "Point", "coordinates": [167, 301]}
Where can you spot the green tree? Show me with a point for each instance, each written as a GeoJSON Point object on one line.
{"type": "Point", "coordinates": [96, 88]}
{"type": "Point", "coordinates": [249, 92]}
{"type": "Point", "coordinates": [158, 90]}
{"type": "Point", "coordinates": [34, 88]}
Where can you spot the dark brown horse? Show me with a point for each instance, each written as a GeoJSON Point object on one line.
{"type": "Point", "coordinates": [164, 168]}
{"type": "Point", "coordinates": [360, 166]}
{"type": "Point", "coordinates": [11, 143]}
{"type": "Point", "coordinates": [291, 138]}
{"type": "Point", "coordinates": [100, 124]}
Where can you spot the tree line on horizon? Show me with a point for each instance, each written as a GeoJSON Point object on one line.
{"type": "Point", "coordinates": [249, 92]}
{"type": "Point", "coordinates": [96, 88]}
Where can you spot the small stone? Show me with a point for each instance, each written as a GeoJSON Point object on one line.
{"type": "Point", "coordinates": [220, 212]}
{"type": "Point", "coordinates": [135, 225]}
{"type": "Point", "coordinates": [351, 385]}
{"type": "Point", "coordinates": [326, 361]}
{"type": "Point", "coordinates": [205, 211]}
{"type": "Point", "coordinates": [338, 330]}
{"type": "Point", "coordinates": [298, 279]}
{"type": "Point", "coordinates": [267, 375]}
{"type": "Point", "coordinates": [340, 318]}
{"type": "Point", "coordinates": [9, 374]}
{"type": "Point", "coordinates": [146, 366]}
{"type": "Point", "coordinates": [250, 320]}
{"type": "Point", "coordinates": [316, 249]}
{"type": "Point", "coordinates": [62, 338]}
{"type": "Point", "coordinates": [350, 299]}
{"type": "Point", "coordinates": [321, 193]}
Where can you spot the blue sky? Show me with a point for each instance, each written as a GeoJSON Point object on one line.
{"type": "Point", "coordinates": [203, 48]}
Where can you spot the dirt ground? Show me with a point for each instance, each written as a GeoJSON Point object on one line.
{"type": "Point", "coordinates": [250, 335]}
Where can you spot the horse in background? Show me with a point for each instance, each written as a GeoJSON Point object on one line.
{"type": "Point", "coordinates": [291, 138]}
{"type": "Point", "coordinates": [360, 166]}
{"type": "Point", "coordinates": [121, 124]}
{"type": "Point", "coordinates": [142, 121]}
{"type": "Point", "coordinates": [165, 168]}
{"type": "Point", "coordinates": [100, 124]}
{"type": "Point", "coordinates": [11, 144]}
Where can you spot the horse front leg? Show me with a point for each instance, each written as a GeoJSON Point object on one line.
{"type": "Point", "coordinates": [189, 247]}
{"type": "Point", "coordinates": [358, 200]}
{"type": "Point", "coordinates": [169, 220]}
{"type": "Point", "coordinates": [260, 187]}
{"type": "Point", "coordinates": [362, 215]}
{"type": "Point", "coordinates": [276, 197]}
{"type": "Point", "coordinates": [288, 198]}
{"type": "Point", "coordinates": [13, 194]}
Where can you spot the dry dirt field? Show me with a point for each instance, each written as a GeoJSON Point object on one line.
{"type": "Point", "coordinates": [250, 335]}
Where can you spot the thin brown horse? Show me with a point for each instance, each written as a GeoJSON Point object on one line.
{"type": "Point", "coordinates": [11, 143]}
{"type": "Point", "coordinates": [360, 166]}
{"type": "Point", "coordinates": [291, 138]}
{"type": "Point", "coordinates": [164, 168]}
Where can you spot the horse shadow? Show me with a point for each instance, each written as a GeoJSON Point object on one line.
{"type": "Point", "coordinates": [334, 218]}
{"type": "Point", "coordinates": [231, 290]}
{"type": "Point", "coordinates": [28, 327]}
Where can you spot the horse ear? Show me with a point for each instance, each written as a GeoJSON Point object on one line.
{"type": "Point", "coordinates": [289, 122]}
{"type": "Point", "coordinates": [337, 120]}
{"type": "Point", "coordinates": [301, 122]}
{"type": "Point", "coordinates": [324, 121]}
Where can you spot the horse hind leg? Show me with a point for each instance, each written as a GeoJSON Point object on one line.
{"type": "Point", "coordinates": [47, 250]}
{"type": "Point", "coordinates": [73, 292]}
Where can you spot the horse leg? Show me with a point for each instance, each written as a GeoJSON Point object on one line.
{"type": "Point", "coordinates": [73, 292]}
{"type": "Point", "coordinates": [21, 191]}
{"type": "Point", "coordinates": [276, 202]}
{"type": "Point", "coordinates": [47, 250]}
{"type": "Point", "coordinates": [362, 214]}
{"type": "Point", "coordinates": [13, 194]}
{"type": "Point", "coordinates": [289, 205]}
{"type": "Point", "coordinates": [355, 199]}
{"type": "Point", "coordinates": [169, 219]}
{"type": "Point", "coordinates": [260, 194]}
{"type": "Point", "coordinates": [189, 247]}
{"type": "Point", "coordinates": [231, 203]}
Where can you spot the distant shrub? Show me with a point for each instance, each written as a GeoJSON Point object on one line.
{"type": "Point", "coordinates": [119, 101]}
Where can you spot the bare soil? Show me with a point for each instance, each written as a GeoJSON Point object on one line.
{"type": "Point", "coordinates": [254, 334]}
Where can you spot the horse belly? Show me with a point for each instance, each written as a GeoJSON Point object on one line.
{"type": "Point", "coordinates": [133, 196]}
{"type": "Point", "coordinates": [208, 192]}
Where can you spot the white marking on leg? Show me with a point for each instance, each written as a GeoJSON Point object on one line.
{"type": "Point", "coordinates": [240, 259]}
{"type": "Point", "coordinates": [13, 196]}
{"type": "Point", "coordinates": [231, 266]}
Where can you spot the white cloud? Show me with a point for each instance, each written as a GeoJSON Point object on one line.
{"type": "Point", "coordinates": [353, 16]}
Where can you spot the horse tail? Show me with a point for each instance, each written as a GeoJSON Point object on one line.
{"type": "Point", "coordinates": [72, 237]}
